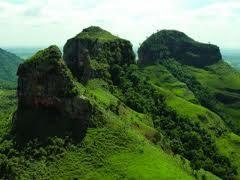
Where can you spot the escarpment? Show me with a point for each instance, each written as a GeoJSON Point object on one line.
{"type": "Point", "coordinates": [48, 100]}
{"type": "Point", "coordinates": [91, 53]}
{"type": "Point", "coordinates": [175, 44]}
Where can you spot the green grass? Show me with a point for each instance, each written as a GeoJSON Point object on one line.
{"type": "Point", "coordinates": [110, 154]}
{"type": "Point", "coordinates": [96, 33]}
{"type": "Point", "coordinates": [229, 145]}
{"type": "Point", "coordinates": [7, 107]}
{"type": "Point", "coordinates": [122, 148]}
{"type": "Point", "coordinates": [218, 76]}
{"type": "Point", "coordinates": [161, 77]}
{"type": "Point", "coordinates": [181, 99]}
{"type": "Point", "coordinates": [222, 79]}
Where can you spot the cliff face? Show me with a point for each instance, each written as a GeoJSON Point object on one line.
{"type": "Point", "coordinates": [174, 44]}
{"type": "Point", "coordinates": [48, 101]}
{"type": "Point", "coordinates": [93, 51]}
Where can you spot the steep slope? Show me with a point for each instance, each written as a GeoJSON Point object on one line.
{"type": "Point", "coordinates": [118, 142]}
{"type": "Point", "coordinates": [8, 66]}
{"type": "Point", "coordinates": [48, 101]}
{"type": "Point", "coordinates": [139, 126]}
{"type": "Point", "coordinates": [224, 82]}
{"type": "Point", "coordinates": [91, 53]}
{"type": "Point", "coordinates": [213, 83]}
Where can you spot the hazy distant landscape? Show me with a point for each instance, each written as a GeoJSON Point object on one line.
{"type": "Point", "coordinates": [232, 56]}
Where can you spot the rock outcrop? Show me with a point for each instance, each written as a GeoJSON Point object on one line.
{"type": "Point", "coordinates": [91, 53]}
{"type": "Point", "coordinates": [174, 44]}
{"type": "Point", "coordinates": [48, 100]}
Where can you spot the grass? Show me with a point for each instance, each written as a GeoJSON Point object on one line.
{"type": "Point", "coordinates": [219, 76]}
{"type": "Point", "coordinates": [181, 99]}
{"type": "Point", "coordinates": [96, 33]}
{"type": "Point", "coordinates": [111, 154]}
{"type": "Point", "coordinates": [222, 79]}
{"type": "Point", "coordinates": [229, 145]}
{"type": "Point", "coordinates": [161, 77]}
{"type": "Point", "coordinates": [122, 148]}
{"type": "Point", "coordinates": [7, 107]}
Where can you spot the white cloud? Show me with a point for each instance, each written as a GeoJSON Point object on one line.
{"type": "Point", "coordinates": [48, 22]}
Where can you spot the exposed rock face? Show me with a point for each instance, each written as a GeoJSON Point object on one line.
{"type": "Point", "coordinates": [174, 44]}
{"type": "Point", "coordinates": [90, 53]}
{"type": "Point", "coordinates": [48, 101]}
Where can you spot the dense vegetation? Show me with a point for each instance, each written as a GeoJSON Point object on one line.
{"type": "Point", "coordinates": [163, 121]}
{"type": "Point", "coordinates": [175, 44]}
{"type": "Point", "coordinates": [186, 137]}
{"type": "Point", "coordinates": [8, 66]}
{"type": "Point", "coordinates": [204, 96]}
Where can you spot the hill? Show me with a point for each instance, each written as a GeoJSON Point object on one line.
{"type": "Point", "coordinates": [8, 66]}
{"type": "Point", "coordinates": [97, 114]}
{"type": "Point", "coordinates": [175, 44]}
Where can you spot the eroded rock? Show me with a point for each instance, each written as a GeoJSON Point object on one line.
{"type": "Point", "coordinates": [91, 53]}
{"type": "Point", "coordinates": [48, 100]}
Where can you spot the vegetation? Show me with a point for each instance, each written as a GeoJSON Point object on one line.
{"type": "Point", "coordinates": [8, 66]}
{"type": "Point", "coordinates": [186, 137]}
{"type": "Point", "coordinates": [96, 33]}
{"type": "Point", "coordinates": [167, 44]}
{"type": "Point", "coordinates": [163, 121]}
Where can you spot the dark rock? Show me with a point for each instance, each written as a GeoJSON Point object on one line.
{"type": "Point", "coordinates": [93, 51]}
{"type": "Point", "coordinates": [174, 44]}
{"type": "Point", "coordinates": [48, 100]}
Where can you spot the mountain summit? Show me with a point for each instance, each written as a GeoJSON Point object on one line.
{"type": "Point", "coordinates": [175, 44]}
{"type": "Point", "coordinates": [91, 52]}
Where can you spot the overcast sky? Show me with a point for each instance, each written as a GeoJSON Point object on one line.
{"type": "Point", "coordinates": [45, 22]}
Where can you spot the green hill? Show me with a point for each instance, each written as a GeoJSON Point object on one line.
{"type": "Point", "coordinates": [175, 44]}
{"type": "Point", "coordinates": [8, 66]}
{"type": "Point", "coordinates": [96, 114]}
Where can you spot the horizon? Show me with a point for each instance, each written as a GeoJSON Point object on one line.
{"type": "Point", "coordinates": [39, 24]}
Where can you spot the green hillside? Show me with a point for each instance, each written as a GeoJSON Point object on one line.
{"type": "Point", "coordinates": [8, 66]}
{"type": "Point", "coordinates": [224, 82]}
{"type": "Point", "coordinates": [94, 113]}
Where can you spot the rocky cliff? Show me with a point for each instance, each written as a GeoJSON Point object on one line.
{"type": "Point", "coordinates": [91, 53]}
{"type": "Point", "coordinates": [48, 100]}
{"type": "Point", "coordinates": [174, 44]}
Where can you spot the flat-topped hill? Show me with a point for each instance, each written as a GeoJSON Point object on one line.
{"type": "Point", "coordinates": [175, 44]}
{"type": "Point", "coordinates": [91, 53]}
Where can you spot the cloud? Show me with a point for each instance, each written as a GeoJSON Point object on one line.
{"type": "Point", "coordinates": [31, 22]}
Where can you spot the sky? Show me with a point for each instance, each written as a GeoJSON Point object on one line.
{"type": "Point", "coordinates": [45, 22]}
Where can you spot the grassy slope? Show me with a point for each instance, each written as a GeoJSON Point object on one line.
{"type": "Point", "coordinates": [119, 147]}
{"type": "Point", "coordinates": [161, 77]}
{"type": "Point", "coordinates": [224, 80]}
{"type": "Point", "coordinates": [180, 98]}
{"type": "Point", "coordinates": [8, 66]}
{"type": "Point", "coordinates": [229, 145]}
{"type": "Point", "coordinates": [7, 106]}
